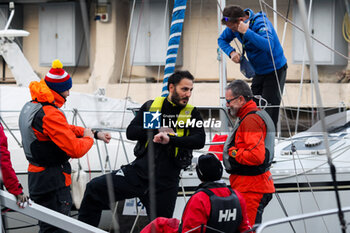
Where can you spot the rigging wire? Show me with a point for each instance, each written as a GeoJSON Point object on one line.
{"type": "Point", "coordinates": [285, 24]}
{"type": "Point", "coordinates": [302, 30]}
{"type": "Point", "coordinates": [302, 74]}
{"type": "Point", "coordinates": [151, 174]}
{"type": "Point", "coordinates": [298, 184]}
{"type": "Point", "coordinates": [288, 126]}
{"type": "Point", "coordinates": [164, 29]}
{"type": "Point", "coordinates": [285, 114]}
{"type": "Point", "coordinates": [311, 169]}
{"type": "Point", "coordinates": [284, 209]}
{"type": "Point", "coordinates": [198, 33]}
{"type": "Point", "coordinates": [127, 41]}
{"type": "Point", "coordinates": [314, 75]}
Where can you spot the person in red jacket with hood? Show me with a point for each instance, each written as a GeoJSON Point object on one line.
{"type": "Point", "coordinates": [9, 178]}
{"type": "Point", "coordinates": [213, 208]}
{"type": "Point", "coordinates": [49, 142]}
{"type": "Point", "coordinates": [248, 151]}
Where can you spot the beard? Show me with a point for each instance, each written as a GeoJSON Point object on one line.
{"type": "Point", "coordinates": [232, 111]}
{"type": "Point", "coordinates": [175, 98]}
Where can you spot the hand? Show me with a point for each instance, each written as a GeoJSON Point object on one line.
{"type": "Point", "coordinates": [22, 200]}
{"type": "Point", "coordinates": [166, 130]}
{"type": "Point", "coordinates": [88, 133]}
{"type": "Point", "coordinates": [235, 57]}
{"type": "Point", "coordinates": [104, 136]}
{"type": "Point", "coordinates": [243, 27]}
{"type": "Point", "coordinates": [161, 138]}
{"type": "Point", "coordinates": [232, 152]}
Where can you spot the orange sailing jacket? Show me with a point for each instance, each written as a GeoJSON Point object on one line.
{"type": "Point", "coordinates": [57, 141]}
{"type": "Point", "coordinates": [250, 147]}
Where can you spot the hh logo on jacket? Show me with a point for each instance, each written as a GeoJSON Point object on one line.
{"type": "Point", "coordinates": [227, 215]}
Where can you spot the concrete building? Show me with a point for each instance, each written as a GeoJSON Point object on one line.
{"type": "Point", "coordinates": [106, 58]}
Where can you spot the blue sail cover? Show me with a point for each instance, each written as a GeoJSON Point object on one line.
{"type": "Point", "coordinates": [174, 41]}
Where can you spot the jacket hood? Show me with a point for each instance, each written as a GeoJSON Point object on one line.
{"type": "Point", "coordinates": [250, 12]}
{"type": "Point", "coordinates": [253, 16]}
{"type": "Point", "coordinates": [41, 93]}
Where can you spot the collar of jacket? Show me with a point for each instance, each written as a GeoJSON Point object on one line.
{"type": "Point", "coordinates": [212, 184]}
{"type": "Point", "coordinates": [40, 92]}
{"type": "Point", "coordinates": [248, 107]}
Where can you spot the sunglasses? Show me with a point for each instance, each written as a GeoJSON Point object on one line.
{"type": "Point", "coordinates": [229, 101]}
{"type": "Point", "coordinates": [227, 19]}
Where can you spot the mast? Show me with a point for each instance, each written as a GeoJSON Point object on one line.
{"type": "Point", "coordinates": [222, 64]}
{"type": "Point", "coordinates": [174, 41]}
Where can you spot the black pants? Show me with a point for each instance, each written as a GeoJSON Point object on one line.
{"type": "Point", "coordinates": [59, 200]}
{"type": "Point", "coordinates": [267, 86]}
{"type": "Point", "coordinates": [263, 203]}
{"type": "Point", "coordinates": [126, 184]}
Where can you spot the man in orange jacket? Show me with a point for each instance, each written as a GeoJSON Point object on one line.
{"type": "Point", "coordinates": [248, 151]}
{"type": "Point", "coordinates": [49, 142]}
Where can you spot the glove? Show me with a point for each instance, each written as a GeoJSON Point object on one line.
{"type": "Point", "coordinates": [232, 152]}
{"type": "Point", "coordinates": [22, 200]}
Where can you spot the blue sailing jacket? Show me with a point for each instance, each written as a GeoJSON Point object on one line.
{"type": "Point", "coordinates": [256, 43]}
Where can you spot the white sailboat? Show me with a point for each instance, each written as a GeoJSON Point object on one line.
{"type": "Point", "coordinates": [301, 171]}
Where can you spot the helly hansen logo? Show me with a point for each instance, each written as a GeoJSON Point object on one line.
{"type": "Point", "coordinates": [227, 215]}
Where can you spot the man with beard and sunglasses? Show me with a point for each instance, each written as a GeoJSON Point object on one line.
{"type": "Point", "coordinates": [170, 144]}
{"type": "Point", "coordinates": [249, 149]}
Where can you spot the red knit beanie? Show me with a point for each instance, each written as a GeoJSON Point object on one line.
{"type": "Point", "coordinates": [57, 78]}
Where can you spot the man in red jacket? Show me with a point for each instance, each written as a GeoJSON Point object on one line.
{"type": "Point", "coordinates": [248, 151]}
{"type": "Point", "coordinates": [9, 178]}
{"type": "Point", "coordinates": [213, 208]}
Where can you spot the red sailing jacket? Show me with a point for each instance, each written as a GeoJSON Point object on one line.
{"type": "Point", "coordinates": [197, 210]}
{"type": "Point", "coordinates": [250, 147]}
{"type": "Point", "coordinates": [8, 174]}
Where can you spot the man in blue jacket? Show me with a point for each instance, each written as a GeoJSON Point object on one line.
{"type": "Point", "coordinates": [263, 49]}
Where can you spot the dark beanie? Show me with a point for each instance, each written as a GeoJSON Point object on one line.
{"type": "Point", "coordinates": [209, 167]}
